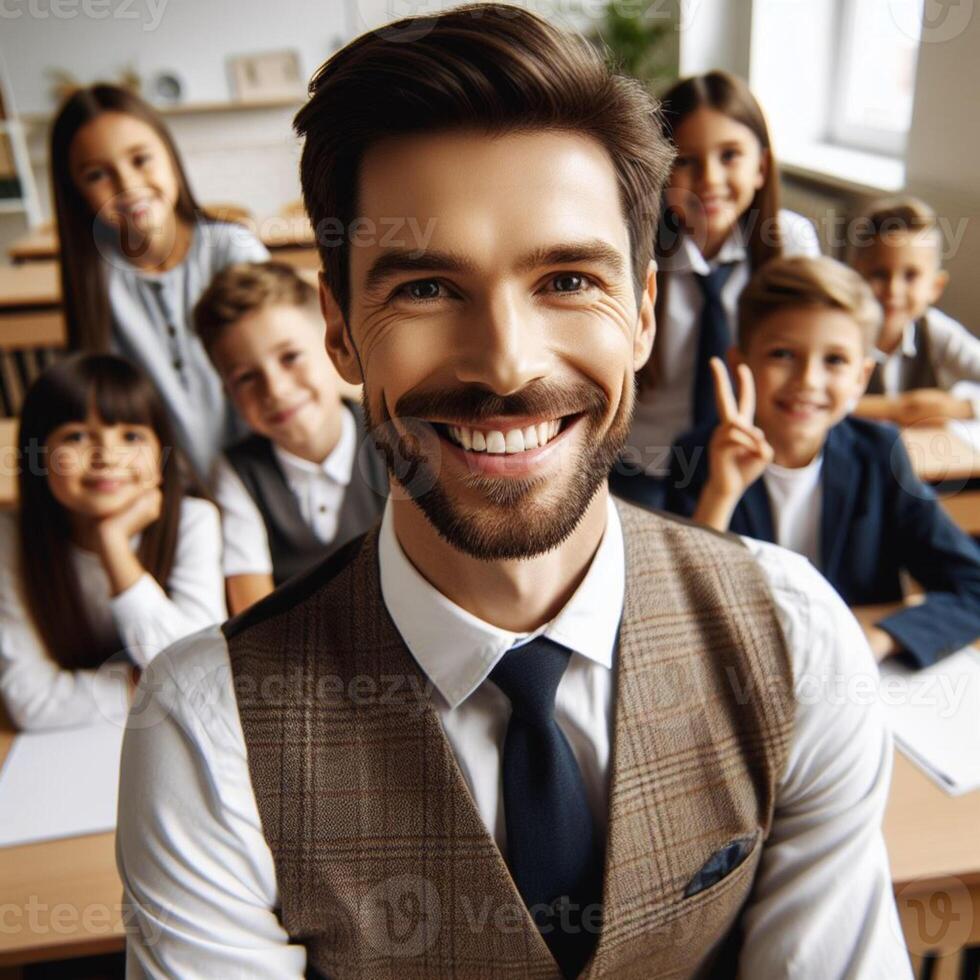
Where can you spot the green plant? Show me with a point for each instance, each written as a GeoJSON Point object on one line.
{"type": "Point", "coordinates": [638, 42]}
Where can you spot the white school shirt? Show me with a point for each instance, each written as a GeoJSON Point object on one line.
{"type": "Point", "coordinates": [953, 350]}
{"type": "Point", "coordinates": [795, 499]}
{"type": "Point", "coordinates": [319, 490]}
{"type": "Point", "coordinates": [199, 877]}
{"type": "Point", "coordinates": [143, 620]}
{"type": "Point", "coordinates": [665, 411]}
{"type": "Point", "coordinates": [152, 327]}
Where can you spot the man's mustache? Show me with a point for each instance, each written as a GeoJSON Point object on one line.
{"type": "Point", "coordinates": [473, 403]}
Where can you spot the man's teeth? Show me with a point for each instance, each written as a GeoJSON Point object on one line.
{"type": "Point", "coordinates": [511, 441]}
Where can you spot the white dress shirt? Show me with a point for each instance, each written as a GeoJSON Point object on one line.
{"type": "Point", "coordinates": [141, 621]}
{"type": "Point", "coordinates": [200, 878]}
{"type": "Point", "coordinates": [953, 350]}
{"type": "Point", "coordinates": [319, 490]}
{"type": "Point", "coordinates": [795, 499]}
{"type": "Point", "coordinates": [664, 412]}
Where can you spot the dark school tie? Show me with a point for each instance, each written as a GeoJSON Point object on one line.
{"type": "Point", "coordinates": [553, 851]}
{"type": "Point", "coordinates": [714, 339]}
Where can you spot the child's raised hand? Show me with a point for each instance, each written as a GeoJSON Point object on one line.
{"type": "Point", "coordinates": [738, 451]}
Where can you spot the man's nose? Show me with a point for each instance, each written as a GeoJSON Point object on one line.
{"type": "Point", "coordinates": [502, 346]}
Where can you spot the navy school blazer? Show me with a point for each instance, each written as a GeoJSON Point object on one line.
{"type": "Point", "coordinates": [877, 519]}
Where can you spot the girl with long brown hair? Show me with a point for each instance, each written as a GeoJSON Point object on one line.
{"type": "Point", "coordinates": [720, 220]}
{"type": "Point", "coordinates": [137, 252]}
{"type": "Point", "coordinates": [106, 559]}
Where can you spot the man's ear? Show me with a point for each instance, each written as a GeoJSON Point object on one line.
{"type": "Point", "coordinates": [340, 346]}
{"type": "Point", "coordinates": [939, 284]}
{"type": "Point", "coordinates": [646, 329]}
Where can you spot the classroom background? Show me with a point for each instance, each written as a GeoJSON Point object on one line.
{"type": "Point", "coordinates": [864, 98]}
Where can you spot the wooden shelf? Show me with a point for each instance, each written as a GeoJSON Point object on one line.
{"type": "Point", "coordinates": [194, 108]}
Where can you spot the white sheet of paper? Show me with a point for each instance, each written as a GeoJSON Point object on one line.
{"type": "Point", "coordinates": [60, 784]}
{"type": "Point", "coordinates": [935, 715]}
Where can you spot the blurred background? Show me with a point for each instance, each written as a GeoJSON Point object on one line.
{"type": "Point", "coordinates": [864, 96]}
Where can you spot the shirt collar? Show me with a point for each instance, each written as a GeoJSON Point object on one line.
{"type": "Point", "coordinates": [457, 650]}
{"type": "Point", "coordinates": [907, 348]}
{"type": "Point", "coordinates": [689, 258]}
{"type": "Point", "coordinates": [338, 465]}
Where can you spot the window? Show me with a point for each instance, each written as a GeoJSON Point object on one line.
{"type": "Point", "coordinates": [873, 82]}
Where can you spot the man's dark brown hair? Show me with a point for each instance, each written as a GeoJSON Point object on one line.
{"type": "Point", "coordinates": [483, 67]}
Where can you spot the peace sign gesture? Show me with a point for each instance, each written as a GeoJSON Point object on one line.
{"type": "Point", "coordinates": [738, 451]}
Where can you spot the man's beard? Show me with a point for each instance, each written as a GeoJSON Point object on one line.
{"type": "Point", "coordinates": [515, 518]}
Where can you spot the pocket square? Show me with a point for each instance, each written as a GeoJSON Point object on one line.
{"type": "Point", "coordinates": [725, 860]}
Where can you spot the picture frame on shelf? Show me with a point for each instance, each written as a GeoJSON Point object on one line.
{"type": "Point", "coordinates": [266, 76]}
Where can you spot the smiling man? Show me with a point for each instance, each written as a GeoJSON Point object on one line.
{"type": "Point", "coordinates": [517, 730]}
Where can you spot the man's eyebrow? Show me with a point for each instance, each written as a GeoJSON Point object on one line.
{"type": "Point", "coordinates": [404, 260]}
{"type": "Point", "coordinates": [594, 251]}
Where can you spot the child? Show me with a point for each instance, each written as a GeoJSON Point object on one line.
{"type": "Point", "coordinates": [720, 221]}
{"type": "Point", "coordinates": [305, 482]}
{"type": "Point", "coordinates": [840, 491]}
{"type": "Point", "coordinates": [928, 364]}
{"type": "Point", "coordinates": [136, 253]}
{"type": "Point", "coordinates": [106, 554]}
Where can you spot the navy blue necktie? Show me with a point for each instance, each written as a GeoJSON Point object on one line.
{"type": "Point", "coordinates": [553, 852]}
{"type": "Point", "coordinates": [714, 339]}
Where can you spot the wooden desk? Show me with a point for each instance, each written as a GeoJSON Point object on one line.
{"type": "Point", "coordinates": [38, 245]}
{"type": "Point", "coordinates": [8, 463]}
{"type": "Point", "coordinates": [60, 898]}
{"type": "Point", "coordinates": [32, 328]}
{"type": "Point", "coordinates": [964, 508]}
{"type": "Point", "coordinates": [934, 849]}
{"type": "Point", "coordinates": [938, 454]}
{"type": "Point", "coordinates": [34, 285]}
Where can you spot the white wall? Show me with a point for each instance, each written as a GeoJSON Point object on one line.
{"type": "Point", "coordinates": [715, 34]}
{"type": "Point", "coordinates": [192, 38]}
{"type": "Point", "coordinates": [944, 149]}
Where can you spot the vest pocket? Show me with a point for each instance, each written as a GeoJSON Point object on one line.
{"type": "Point", "coordinates": [721, 864]}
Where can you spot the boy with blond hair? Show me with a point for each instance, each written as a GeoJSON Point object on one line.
{"type": "Point", "coordinates": [787, 464]}
{"type": "Point", "coordinates": [305, 482]}
{"type": "Point", "coordinates": [927, 364]}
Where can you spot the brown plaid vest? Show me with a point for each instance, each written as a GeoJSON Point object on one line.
{"type": "Point", "coordinates": [384, 866]}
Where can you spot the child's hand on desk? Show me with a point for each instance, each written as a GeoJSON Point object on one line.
{"type": "Point", "coordinates": [738, 452]}
{"type": "Point", "coordinates": [919, 405]}
{"type": "Point", "coordinates": [882, 643]}
{"type": "Point", "coordinates": [924, 404]}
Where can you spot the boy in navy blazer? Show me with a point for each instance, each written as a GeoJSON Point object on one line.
{"type": "Point", "coordinates": [787, 465]}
